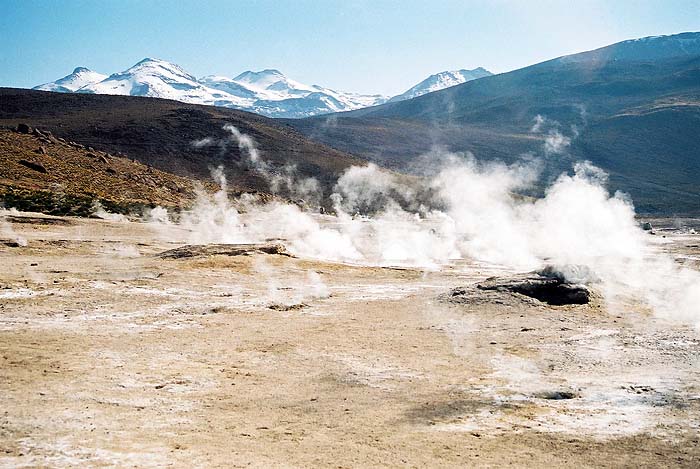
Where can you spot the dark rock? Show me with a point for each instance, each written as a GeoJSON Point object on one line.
{"type": "Point", "coordinates": [223, 250]}
{"type": "Point", "coordinates": [557, 395]}
{"type": "Point", "coordinates": [32, 165]}
{"type": "Point", "coordinates": [553, 291]}
{"type": "Point", "coordinates": [548, 286]}
{"type": "Point", "coordinates": [10, 243]}
{"type": "Point", "coordinates": [282, 307]}
{"type": "Point", "coordinates": [24, 128]}
{"type": "Point", "coordinates": [646, 226]}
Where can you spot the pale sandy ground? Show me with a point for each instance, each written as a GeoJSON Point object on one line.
{"type": "Point", "coordinates": [110, 356]}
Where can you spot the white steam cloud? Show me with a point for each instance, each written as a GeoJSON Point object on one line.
{"type": "Point", "coordinates": [468, 210]}
{"type": "Point", "coordinates": [555, 142]}
{"type": "Point", "coordinates": [99, 211]}
{"type": "Point", "coordinates": [284, 181]}
{"type": "Point", "coordinates": [6, 231]}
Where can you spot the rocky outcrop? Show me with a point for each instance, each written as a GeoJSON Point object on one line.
{"type": "Point", "coordinates": [549, 286]}
{"type": "Point", "coordinates": [224, 250]}
{"type": "Point", "coordinates": [553, 291]}
{"type": "Point", "coordinates": [33, 165]}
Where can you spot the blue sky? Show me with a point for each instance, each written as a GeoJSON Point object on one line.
{"type": "Point", "coordinates": [371, 46]}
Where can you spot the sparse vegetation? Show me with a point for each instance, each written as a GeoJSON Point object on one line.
{"type": "Point", "coordinates": [74, 177]}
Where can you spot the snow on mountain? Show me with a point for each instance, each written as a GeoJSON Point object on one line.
{"type": "Point", "coordinates": [268, 92]}
{"type": "Point", "coordinates": [441, 81]}
{"type": "Point", "coordinates": [160, 79]}
{"type": "Point", "coordinates": [279, 96]}
{"type": "Point", "coordinates": [273, 84]}
{"type": "Point", "coordinates": [312, 104]}
{"type": "Point", "coordinates": [80, 77]}
{"type": "Point", "coordinates": [227, 85]}
{"type": "Point", "coordinates": [350, 101]}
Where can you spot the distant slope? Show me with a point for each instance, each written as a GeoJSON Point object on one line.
{"type": "Point", "coordinates": [440, 81]}
{"type": "Point", "coordinates": [633, 108]}
{"type": "Point", "coordinates": [160, 133]}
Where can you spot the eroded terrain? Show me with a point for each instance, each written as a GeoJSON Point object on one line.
{"type": "Point", "coordinates": [112, 355]}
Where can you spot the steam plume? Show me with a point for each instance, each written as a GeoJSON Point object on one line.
{"type": "Point", "coordinates": [468, 209]}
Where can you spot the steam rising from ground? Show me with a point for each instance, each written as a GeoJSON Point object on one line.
{"type": "Point", "coordinates": [6, 231]}
{"type": "Point", "coordinates": [284, 181]}
{"type": "Point", "coordinates": [555, 142]}
{"type": "Point", "coordinates": [467, 209]}
{"type": "Point", "coordinates": [308, 286]}
{"type": "Point", "coordinates": [99, 211]}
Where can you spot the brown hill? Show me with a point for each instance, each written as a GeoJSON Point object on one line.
{"type": "Point", "coordinates": [41, 172]}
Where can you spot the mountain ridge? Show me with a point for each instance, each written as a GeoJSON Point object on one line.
{"type": "Point", "coordinates": [267, 92]}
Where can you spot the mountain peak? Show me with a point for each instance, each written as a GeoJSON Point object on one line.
{"type": "Point", "coordinates": [442, 80]}
{"type": "Point", "coordinates": [267, 74]}
{"type": "Point", "coordinates": [158, 69]}
{"type": "Point", "coordinates": [77, 79]}
{"type": "Point", "coordinates": [148, 60]}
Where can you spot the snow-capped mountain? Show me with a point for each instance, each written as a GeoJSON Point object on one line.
{"type": "Point", "coordinates": [279, 96]}
{"type": "Point", "coordinates": [273, 84]}
{"type": "Point", "coordinates": [267, 92]}
{"type": "Point", "coordinates": [441, 81]}
{"type": "Point", "coordinates": [80, 77]}
{"type": "Point", "coordinates": [160, 79]}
